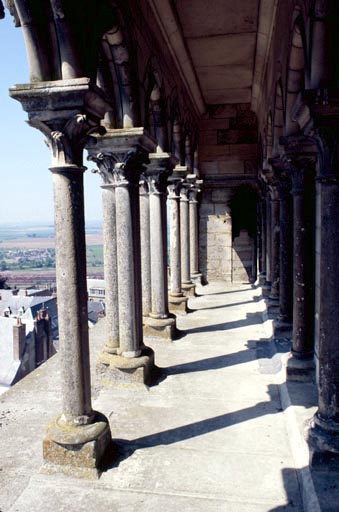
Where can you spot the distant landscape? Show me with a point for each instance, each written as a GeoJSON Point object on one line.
{"type": "Point", "coordinates": [27, 253]}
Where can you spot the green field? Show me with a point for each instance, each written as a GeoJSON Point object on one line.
{"type": "Point", "coordinates": [95, 257]}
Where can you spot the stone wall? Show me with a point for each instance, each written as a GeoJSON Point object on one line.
{"type": "Point", "coordinates": [227, 159]}
{"type": "Point", "coordinates": [215, 236]}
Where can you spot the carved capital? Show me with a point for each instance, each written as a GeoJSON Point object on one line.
{"type": "Point", "coordinates": [157, 182]}
{"type": "Point", "coordinates": [66, 112]}
{"type": "Point", "coordinates": [105, 165]}
{"type": "Point", "coordinates": [174, 187]}
{"type": "Point", "coordinates": [67, 142]}
{"type": "Point", "coordinates": [184, 191]}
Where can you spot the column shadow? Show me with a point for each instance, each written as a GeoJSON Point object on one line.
{"type": "Point", "coordinates": [251, 319]}
{"type": "Point", "coordinates": [121, 449]}
{"type": "Point", "coordinates": [255, 299]}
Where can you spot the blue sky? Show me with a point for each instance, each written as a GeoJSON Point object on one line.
{"type": "Point", "coordinates": [26, 182]}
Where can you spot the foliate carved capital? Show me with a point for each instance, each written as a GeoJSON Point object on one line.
{"type": "Point", "coordinates": [174, 187]}
{"type": "Point", "coordinates": [300, 160]}
{"type": "Point", "coordinates": [193, 194]}
{"type": "Point", "coordinates": [184, 191]}
{"type": "Point", "coordinates": [120, 169]}
{"type": "Point", "coordinates": [67, 112]}
{"type": "Point", "coordinates": [157, 182]}
{"type": "Point", "coordinates": [105, 165]}
{"type": "Point", "coordinates": [281, 176]}
{"type": "Point", "coordinates": [66, 142]}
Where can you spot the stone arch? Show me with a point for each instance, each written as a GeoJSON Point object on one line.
{"type": "Point", "coordinates": [155, 108]}
{"type": "Point", "coordinates": [177, 131]}
{"type": "Point", "coordinates": [120, 86]}
{"type": "Point", "coordinates": [62, 40]}
{"type": "Point", "coordinates": [278, 120]}
{"type": "Point", "coordinates": [269, 136]}
{"type": "Point", "coordinates": [297, 65]}
{"type": "Point", "coordinates": [188, 151]}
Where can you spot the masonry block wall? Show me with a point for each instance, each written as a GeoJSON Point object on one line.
{"type": "Point", "coordinates": [227, 159]}
{"type": "Point", "coordinates": [215, 235]}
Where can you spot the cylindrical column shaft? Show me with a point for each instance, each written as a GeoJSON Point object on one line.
{"type": "Point", "coordinates": [175, 262]}
{"type": "Point", "coordinates": [263, 239]}
{"type": "Point", "coordinates": [185, 238]}
{"type": "Point", "coordinates": [194, 247]}
{"type": "Point", "coordinates": [286, 256]}
{"type": "Point", "coordinates": [110, 268]}
{"type": "Point", "coordinates": [72, 293]}
{"type": "Point", "coordinates": [268, 239]}
{"type": "Point", "coordinates": [328, 304]}
{"type": "Point", "coordinates": [145, 238]}
{"type": "Point", "coordinates": [275, 235]}
{"type": "Point", "coordinates": [128, 329]}
{"type": "Point", "coordinates": [303, 271]}
{"type": "Point", "coordinates": [158, 269]}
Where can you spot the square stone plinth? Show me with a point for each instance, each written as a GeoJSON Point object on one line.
{"type": "Point", "coordinates": [77, 450]}
{"type": "Point", "coordinates": [301, 370]}
{"type": "Point", "coordinates": [197, 278]}
{"type": "Point", "coordinates": [189, 289]}
{"type": "Point", "coordinates": [160, 328]}
{"type": "Point", "coordinates": [178, 305]}
{"type": "Point", "coordinates": [113, 369]}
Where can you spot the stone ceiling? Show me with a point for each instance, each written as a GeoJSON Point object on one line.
{"type": "Point", "coordinates": [221, 37]}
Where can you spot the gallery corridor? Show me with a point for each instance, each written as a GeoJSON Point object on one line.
{"type": "Point", "coordinates": [217, 431]}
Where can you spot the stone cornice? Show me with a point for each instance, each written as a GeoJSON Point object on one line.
{"type": "Point", "coordinates": [267, 14]}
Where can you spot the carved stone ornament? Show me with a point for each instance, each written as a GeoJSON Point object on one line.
{"type": "Point", "coordinates": [67, 144]}
{"type": "Point", "coordinates": [157, 182]}
{"type": "Point", "coordinates": [174, 187]}
{"type": "Point", "coordinates": [12, 9]}
{"type": "Point", "coordinates": [120, 169]}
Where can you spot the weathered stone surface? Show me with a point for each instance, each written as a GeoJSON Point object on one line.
{"type": "Point", "coordinates": [160, 328]}
{"type": "Point", "coordinates": [76, 450]}
{"type": "Point", "coordinates": [178, 305]}
{"type": "Point", "coordinates": [113, 370]}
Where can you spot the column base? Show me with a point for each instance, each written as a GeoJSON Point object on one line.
{"type": "Point", "coordinates": [197, 278]}
{"type": "Point", "coordinates": [113, 369]}
{"type": "Point", "coordinates": [282, 328]}
{"type": "Point", "coordinates": [262, 279]}
{"type": "Point", "coordinates": [323, 441]}
{"type": "Point", "coordinates": [189, 289]}
{"type": "Point", "coordinates": [273, 305]}
{"type": "Point", "coordinates": [301, 370]}
{"type": "Point", "coordinates": [266, 288]}
{"type": "Point", "coordinates": [178, 305]}
{"type": "Point", "coordinates": [160, 328]}
{"type": "Point", "coordinates": [76, 450]}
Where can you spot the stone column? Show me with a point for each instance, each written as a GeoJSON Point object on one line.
{"type": "Point", "coordinates": [275, 235]}
{"type": "Point", "coordinates": [284, 320]}
{"type": "Point", "coordinates": [145, 238]}
{"type": "Point", "coordinates": [187, 285]}
{"type": "Point", "coordinates": [125, 152]}
{"type": "Point", "coordinates": [324, 433]}
{"type": "Point", "coordinates": [76, 440]}
{"type": "Point", "coordinates": [110, 251]}
{"type": "Point", "coordinates": [262, 220]}
{"type": "Point", "coordinates": [267, 284]}
{"type": "Point", "coordinates": [194, 234]}
{"type": "Point", "coordinates": [177, 300]}
{"type": "Point", "coordinates": [159, 323]}
{"type": "Point", "coordinates": [300, 158]}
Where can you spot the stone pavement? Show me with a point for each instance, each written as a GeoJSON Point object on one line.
{"type": "Point", "coordinates": [218, 432]}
